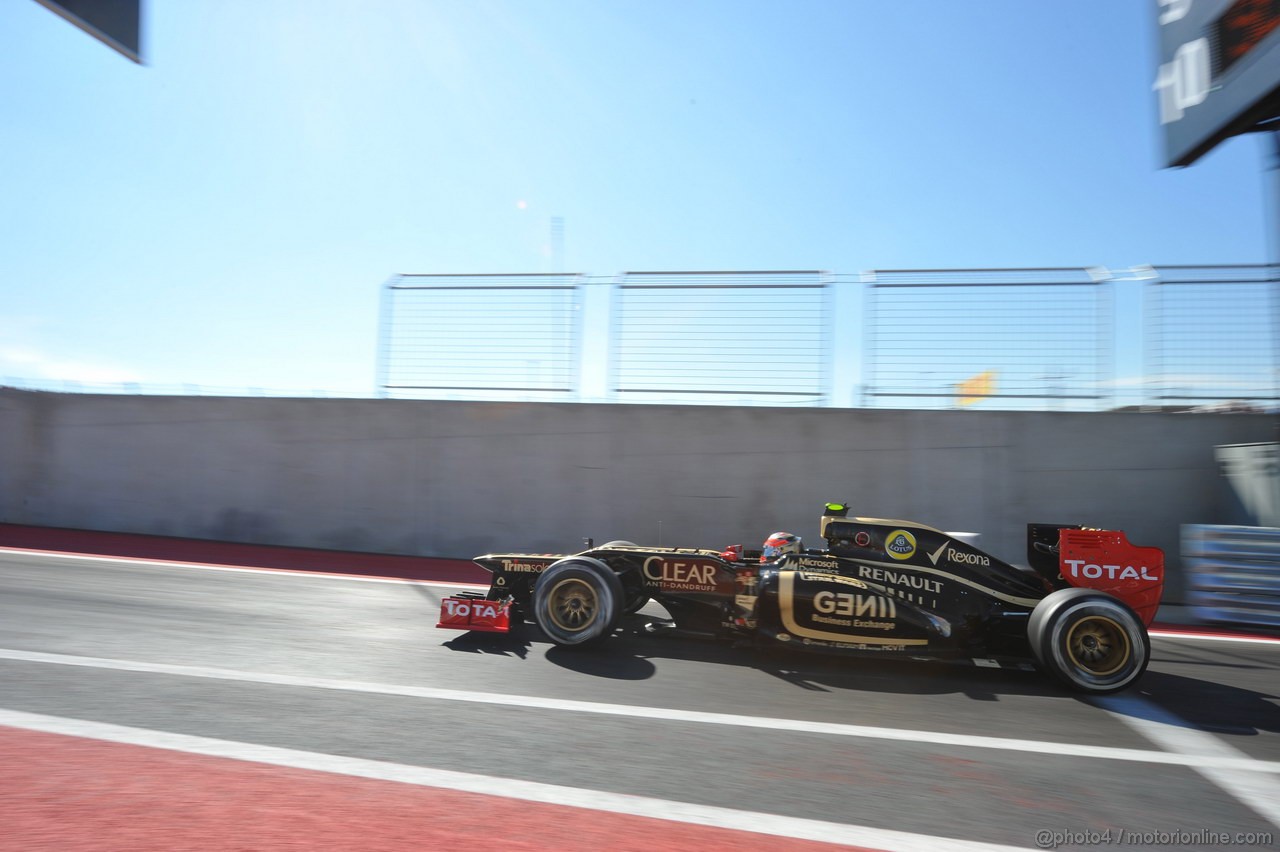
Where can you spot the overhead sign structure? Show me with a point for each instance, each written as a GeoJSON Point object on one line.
{"type": "Point", "coordinates": [115, 23]}
{"type": "Point", "coordinates": [1218, 74]}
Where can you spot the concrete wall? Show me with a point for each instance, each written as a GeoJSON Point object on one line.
{"type": "Point", "coordinates": [462, 478]}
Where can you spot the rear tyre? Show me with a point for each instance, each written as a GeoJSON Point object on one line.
{"type": "Point", "coordinates": [1088, 640]}
{"type": "Point", "coordinates": [577, 601]}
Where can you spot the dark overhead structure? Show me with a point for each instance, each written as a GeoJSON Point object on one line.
{"type": "Point", "coordinates": [1218, 73]}
{"type": "Point", "coordinates": [115, 23]}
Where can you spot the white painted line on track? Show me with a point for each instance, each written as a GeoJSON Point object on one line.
{"type": "Point", "coordinates": [1215, 637]}
{"type": "Point", "coordinates": [1255, 789]}
{"type": "Point", "coordinates": [658, 713]}
{"type": "Point", "coordinates": [507, 788]}
{"type": "Point", "coordinates": [204, 566]}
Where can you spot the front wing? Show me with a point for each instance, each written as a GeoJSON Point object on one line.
{"type": "Point", "coordinates": [463, 612]}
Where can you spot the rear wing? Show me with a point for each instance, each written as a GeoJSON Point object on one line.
{"type": "Point", "coordinates": [1099, 559]}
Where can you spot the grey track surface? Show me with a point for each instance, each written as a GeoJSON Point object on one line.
{"type": "Point", "coordinates": [340, 629]}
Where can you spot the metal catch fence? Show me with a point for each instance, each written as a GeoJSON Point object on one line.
{"type": "Point", "coordinates": [1079, 339]}
{"type": "Point", "coordinates": [1146, 338]}
{"type": "Point", "coordinates": [481, 336]}
{"type": "Point", "coordinates": [736, 336]}
{"type": "Point", "coordinates": [1211, 335]}
{"type": "Point", "coordinates": [1011, 337]}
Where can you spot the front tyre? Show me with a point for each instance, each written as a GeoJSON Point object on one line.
{"type": "Point", "coordinates": [577, 601]}
{"type": "Point", "coordinates": [1089, 640]}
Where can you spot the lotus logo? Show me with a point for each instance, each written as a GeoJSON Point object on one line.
{"type": "Point", "coordinates": [901, 544]}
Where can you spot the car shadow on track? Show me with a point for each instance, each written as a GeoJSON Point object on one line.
{"type": "Point", "coordinates": [1218, 708]}
{"type": "Point", "coordinates": [633, 654]}
{"type": "Point", "coordinates": [1206, 705]}
{"type": "Point", "coordinates": [1237, 695]}
{"type": "Point", "coordinates": [513, 644]}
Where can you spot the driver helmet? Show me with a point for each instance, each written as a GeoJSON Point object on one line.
{"type": "Point", "coordinates": [780, 543]}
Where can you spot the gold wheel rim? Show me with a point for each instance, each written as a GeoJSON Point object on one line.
{"type": "Point", "coordinates": [573, 605]}
{"type": "Point", "coordinates": [1098, 645]}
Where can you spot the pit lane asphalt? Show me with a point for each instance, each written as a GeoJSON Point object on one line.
{"type": "Point", "coordinates": [341, 629]}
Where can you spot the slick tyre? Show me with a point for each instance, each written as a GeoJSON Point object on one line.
{"type": "Point", "coordinates": [1088, 640]}
{"type": "Point", "coordinates": [577, 601]}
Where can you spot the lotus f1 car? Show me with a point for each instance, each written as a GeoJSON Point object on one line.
{"type": "Point", "coordinates": [881, 587]}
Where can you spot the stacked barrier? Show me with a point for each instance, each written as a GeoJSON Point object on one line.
{"type": "Point", "coordinates": [1233, 573]}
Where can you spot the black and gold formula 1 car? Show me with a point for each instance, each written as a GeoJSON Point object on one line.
{"type": "Point", "coordinates": [881, 587]}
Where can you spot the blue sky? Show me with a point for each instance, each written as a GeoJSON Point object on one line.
{"type": "Point", "coordinates": [227, 214]}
